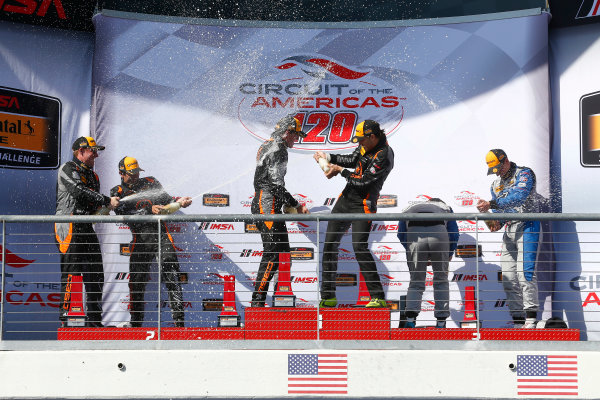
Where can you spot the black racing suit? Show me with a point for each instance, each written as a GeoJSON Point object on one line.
{"type": "Point", "coordinates": [269, 197]}
{"type": "Point", "coordinates": [359, 196]}
{"type": "Point", "coordinates": [77, 193]}
{"type": "Point", "coordinates": [138, 199]}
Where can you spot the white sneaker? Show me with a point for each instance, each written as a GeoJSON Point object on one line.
{"type": "Point", "coordinates": [530, 323]}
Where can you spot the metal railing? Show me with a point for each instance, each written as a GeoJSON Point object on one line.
{"type": "Point", "coordinates": [211, 246]}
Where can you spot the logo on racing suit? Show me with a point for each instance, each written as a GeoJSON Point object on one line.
{"type": "Point", "coordinates": [329, 99]}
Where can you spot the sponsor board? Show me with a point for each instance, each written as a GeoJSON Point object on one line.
{"type": "Point", "coordinates": [215, 200]}
{"type": "Point", "coordinates": [30, 129]}
{"type": "Point", "coordinates": [589, 130]}
{"type": "Point", "coordinates": [212, 304]}
{"type": "Point", "coordinates": [345, 280]}
{"type": "Point", "coordinates": [125, 249]}
{"type": "Point", "coordinates": [302, 253]}
{"type": "Point", "coordinates": [250, 228]}
{"type": "Point", "coordinates": [387, 200]}
{"type": "Point", "coordinates": [469, 251]}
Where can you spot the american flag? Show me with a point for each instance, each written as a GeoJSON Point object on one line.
{"type": "Point", "coordinates": [549, 375]}
{"type": "Point", "coordinates": [318, 373]}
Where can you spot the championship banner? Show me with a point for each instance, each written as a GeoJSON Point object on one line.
{"type": "Point", "coordinates": [193, 103]}
{"type": "Point", "coordinates": [44, 105]}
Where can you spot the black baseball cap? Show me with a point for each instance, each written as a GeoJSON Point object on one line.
{"type": "Point", "coordinates": [86, 142]}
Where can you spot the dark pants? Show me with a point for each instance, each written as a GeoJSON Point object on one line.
{"type": "Point", "coordinates": [275, 242]}
{"type": "Point", "coordinates": [360, 243]}
{"type": "Point", "coordinates": [80, 255]}
{"type": "Point", "coordinates": [144, 249]}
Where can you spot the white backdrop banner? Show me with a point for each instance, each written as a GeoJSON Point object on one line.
{"type": "Point", "coordinates": [194, 102]}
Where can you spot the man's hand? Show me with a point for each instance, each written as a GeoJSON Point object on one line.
{"type": "Point", "coordinates": [319, 154]}
{"type": "Point", "coordinates": [114, 202]}
{"type": "Point", "coordinates": [185, 201]}
{"type": "Point", "coordinates": [333, 171]}
{"type": "Point", "coordinates": [483, 205]}
{"type": "Point", "coordinates": [156, 209]}
{"type": "Point", "coordinates": [302, 209]}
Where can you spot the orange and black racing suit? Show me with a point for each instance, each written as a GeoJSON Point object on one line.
{"type": "Point", "coordinates": [269, 198]}
{"type": "Point", "coordinates": [137, 199]}
{"type": "Point", "coordinates": [359, 196]}
{"type": "Point", "coordinates": [77, 193]}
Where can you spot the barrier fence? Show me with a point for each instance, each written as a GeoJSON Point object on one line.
{"type": "Point", "coordinates": [219, 255]}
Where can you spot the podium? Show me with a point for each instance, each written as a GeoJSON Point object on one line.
{"type": "Point", "coordinates": [355, 324]}
{"type": "Point", "coordinates": [281, 323]}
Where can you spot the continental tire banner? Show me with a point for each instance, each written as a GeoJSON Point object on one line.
{"type": "Point", "coordinates": [193, 103]}
{"type": "Point", "coordinates": [576, 146]}
{"type": "Point", "coordinates": [44, 105]}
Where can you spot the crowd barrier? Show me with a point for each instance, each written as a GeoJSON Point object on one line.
{"type": "Point", "coordinates": [217, 283]}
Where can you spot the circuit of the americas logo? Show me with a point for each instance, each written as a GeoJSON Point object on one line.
{"type": "Point", "coordinates": [215, 200]}
{"type": "Point", "coordinates": [328, 97]}
{"type": "Point", "coordinates": [30, 129]}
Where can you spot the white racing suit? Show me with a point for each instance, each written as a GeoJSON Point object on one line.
{"type": "Point", "coordinates": [521, 241]}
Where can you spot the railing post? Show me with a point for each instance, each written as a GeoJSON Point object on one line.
{"type": "Point", "coordinates": [318, 258]}
{"type": "Point", "coordinates": [3, 275]}
{"type": "Point", "coordinates": [477, 294]}
{"type": "Point", "coordinates": [159, 262]}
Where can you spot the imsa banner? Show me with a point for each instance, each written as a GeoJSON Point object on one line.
{"type": "Point", "coordinates": [45, 88]}
{"type": "Point", "coordinates": [194, 102]}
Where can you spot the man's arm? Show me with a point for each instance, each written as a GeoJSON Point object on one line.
{"type": "Point", "coordinates": [70, 179]}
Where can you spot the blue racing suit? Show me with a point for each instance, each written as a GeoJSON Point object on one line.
{"type": "Point", "coordinates": [516, 193]}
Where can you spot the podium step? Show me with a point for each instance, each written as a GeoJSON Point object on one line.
{"type": "Point", "coordinates": [355, 323]}
{"type": "Point", "coordinates": [281, 323]}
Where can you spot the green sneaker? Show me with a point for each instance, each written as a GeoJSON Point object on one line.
{"type": "Point", "coordinates": [377, 303]}
{"type": "Point", "coordinates": [328, 302]}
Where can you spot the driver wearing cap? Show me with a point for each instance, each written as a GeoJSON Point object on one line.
{"type": "Point", "coordinates": [372, 161]}
{"type": "Point", "coordinates": [78, 193]}
{"type": "Point", "coordinates": [146, 196]}
{"type": "Point", "coordinates": [514, 191]}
